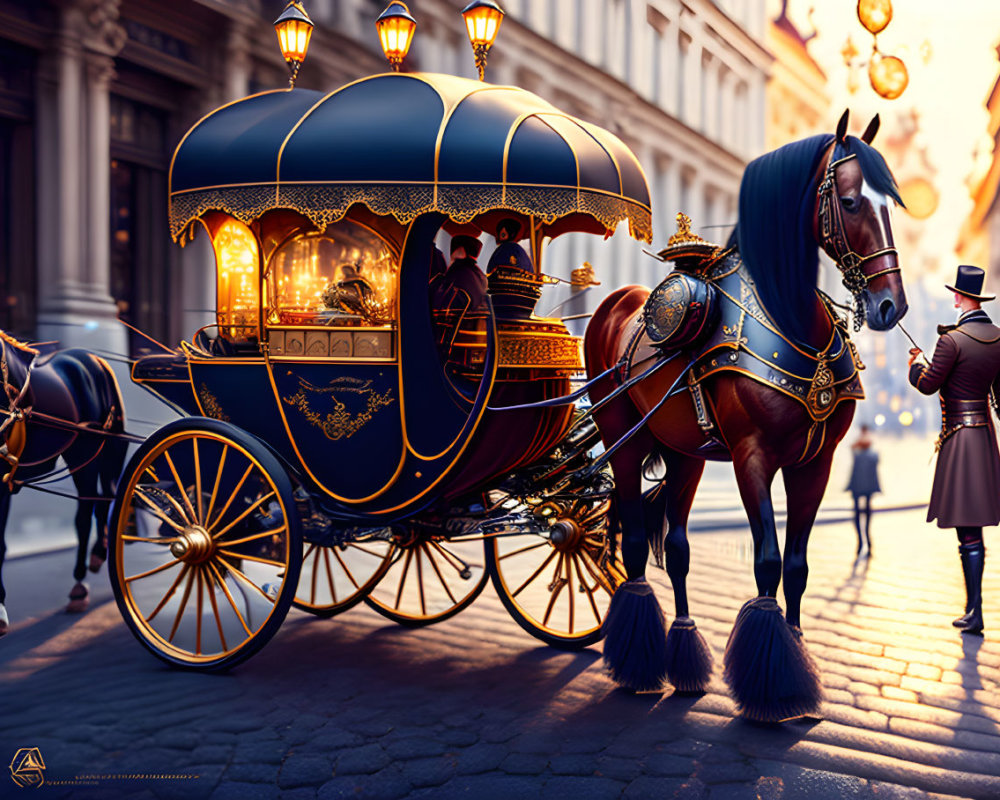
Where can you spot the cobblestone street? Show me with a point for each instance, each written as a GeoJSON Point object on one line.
{"type": "Point", "coordinates": [474, 707]}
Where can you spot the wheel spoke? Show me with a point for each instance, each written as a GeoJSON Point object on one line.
{"type": "Point", "coordinates": [255, 537]}
{"type": "Point", "coordinates": [225, 589]}
{"type": "Point", "coordinates": [535, 574]}
{"type": "Point", "coordinates": [569, 590]}
{"type": "Point", "coordinates": [155, 510]}
{"type": "Point", "coordinates": [239, 574]}
{"type": "Point", "coordinates": [181, 607]}
{"type": "Point", "coordinates": [210, 591]}
{"type": "Point", "coordinates": [590, 595]}
{"type": "Point", "coordinates": [215, 487]}
{"type": "Point", "coordinates": [165, 540]}
{"type": "Point", "coordinates": [402, 578]}
{"type": "Point", "coordinates": [347, 571]}
{"type": "Point", "coordinates": [192, 519]}
{"type": "Point", "coordinates": [524, 550]}
{"type": "Point", "coordinates": [329, 573]}
{"type": "Point", "coordinates": [246, 512]}
{"type": "Point", "coordinates": [199, 607]}
{"type": "Point", "coordinates": [172, 563]}
{"type": "Point", "coordinates": [256, 559]}
{"type": "Point", "coordinates": [197, 479]}
{"type": "Point", "coordinates": [595, 571]}
{"type": "Point", "coordinates": [169, 593]}
{"type": "Point", "coordinates": [456, 563]}
{"type": "Point", "coordinates": [437, 570]}
{"type": "Point", "coordinates": [557, 579]}
{"type": "Point", "coordinates": [232, 496]}
{"type": "Point", "coordinates": [420, 581]}
{"type": "Point", "coordinates": [315, 570]}
{"type": "Point", "coordinates": [357, 546]}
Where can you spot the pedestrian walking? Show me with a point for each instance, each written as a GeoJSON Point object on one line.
{"type": "Point", "coordinates": [862, 485]}
{"type": "Point", "coordinates": [966, 492]}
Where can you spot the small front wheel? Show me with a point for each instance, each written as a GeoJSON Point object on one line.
{"type": "Point", "coordinates": [206, 544]}
{"type": "Point", "coordinates": [558, 587]}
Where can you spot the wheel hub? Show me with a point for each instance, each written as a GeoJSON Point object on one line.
{"type": "Point", "coordinates": [194, 546]}
{"type": "Point", "coordinates": [566, 534]}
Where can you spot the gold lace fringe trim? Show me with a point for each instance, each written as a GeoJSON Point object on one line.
{"type": "Point", "coordinates": [326, 203]}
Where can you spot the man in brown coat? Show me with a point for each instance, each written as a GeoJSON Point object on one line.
{"type": "Point", "coordinates": [966, 492]}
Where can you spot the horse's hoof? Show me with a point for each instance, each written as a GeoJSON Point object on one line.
{"type": "Point", "coordinates": [79, 598]}
{"type": "Point", "coordinates": [96, 562]}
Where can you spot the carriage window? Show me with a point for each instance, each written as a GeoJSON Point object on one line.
{"type": "Point", "coordinates": [238, 299]}
{"type": "Point", "coordinates": [344, 277]}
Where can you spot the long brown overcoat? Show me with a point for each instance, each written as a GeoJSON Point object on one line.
{"type": "Point", "coordinates": [965, 366]}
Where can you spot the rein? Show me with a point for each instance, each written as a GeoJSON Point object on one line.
{"type": "Point", "coordinates": [834, 240]}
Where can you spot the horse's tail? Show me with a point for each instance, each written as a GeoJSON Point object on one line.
{"type": "Point", "coordinates": [113, 410]}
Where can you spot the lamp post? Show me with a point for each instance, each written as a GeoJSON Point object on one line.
{"type": "Point", "coordinates": [482, 20]}
{"type": "Point", "coordinates": [395, 28]}
{"type": "Point", "coordinates": [294, 29]}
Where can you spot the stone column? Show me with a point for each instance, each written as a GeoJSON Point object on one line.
{"type": "Point", "coordinates": [75, 305]}
{"type": "Point", "coordinates": [237, 63]}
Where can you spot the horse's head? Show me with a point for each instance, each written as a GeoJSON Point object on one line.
{"type": "Point", "coordinates": [852, 224]}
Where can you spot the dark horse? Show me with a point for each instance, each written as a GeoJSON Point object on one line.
{"type": "Point", "coordinates": [826, 191]}
{"type": "Point", "coordinates": [67, 404]}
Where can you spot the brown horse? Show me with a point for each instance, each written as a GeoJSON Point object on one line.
{"type": "Point", "coordinates": [828, 191]}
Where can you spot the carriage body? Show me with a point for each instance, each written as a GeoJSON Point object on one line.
{"type": "Point", "coordinates": [372, 424]}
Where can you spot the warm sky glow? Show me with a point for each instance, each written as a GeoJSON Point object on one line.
{"type": "Point", "coordinates": [949, 92]}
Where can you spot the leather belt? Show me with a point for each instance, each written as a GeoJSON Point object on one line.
{"type": "Point", "coordinates": [958, 414]}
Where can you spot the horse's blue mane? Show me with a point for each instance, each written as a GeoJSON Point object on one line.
{"type": "Point", "coordinates": [774, 229]}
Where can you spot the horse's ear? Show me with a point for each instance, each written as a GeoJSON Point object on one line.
{"type": "Point", "coordinates": [870, 131]}
{"type": "Point", "coordinates": [842, 125]}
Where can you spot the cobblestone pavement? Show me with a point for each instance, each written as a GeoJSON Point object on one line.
{"type": "Point", "coordinates": [357, 707]}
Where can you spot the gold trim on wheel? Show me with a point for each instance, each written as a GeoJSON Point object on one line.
{"type": "Point", "coordinates": [199, 578]}
{"type": "Point", "coordinates": [558, 587]}
{"type": "Point", "coordinates": [334, 579]}
{"type": "Point", "coordinates": [429, 579]}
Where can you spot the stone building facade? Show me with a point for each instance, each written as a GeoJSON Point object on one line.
{"type": "Point", "coordinates": [95, 94]}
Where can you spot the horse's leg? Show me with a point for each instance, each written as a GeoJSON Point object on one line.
{"type": "Point", "coordinates": [689, 660]}
{"type": "Point", "coordinates": [634, 628]}
{"type": "Point", "coordinates": [769, 672]}
{"type": "Point", "coordinates": [4, 511]}
{"type": "Point", "coordinates": [804, 487]}
{"type": "Point", "coordinates": [85, 479]}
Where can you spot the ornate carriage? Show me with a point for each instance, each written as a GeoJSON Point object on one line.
{"type": "Point", "coordinates": [347, 442]}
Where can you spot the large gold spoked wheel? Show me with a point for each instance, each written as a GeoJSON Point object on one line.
{"type": "Point", "coordinates": [338, 577]}
{"type": "Point", "coordinates": [558, 586]}
{"type": "Point", "coordinates": [430, 578]}
{"type": "Point", "coordinates": [206, 546]}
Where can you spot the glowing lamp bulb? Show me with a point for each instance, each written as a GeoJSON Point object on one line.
{"type": "Point", "coordinates": [294, 29]}
{"type": "Point", "coordinates": [395, 28]}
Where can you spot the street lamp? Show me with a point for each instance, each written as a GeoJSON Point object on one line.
{"type": "Point", "coordinates": [395, 28]}
{"type": "Point", "coordinates": [482, 20]}
{"type": "Point", "coordinates": [294, 29]}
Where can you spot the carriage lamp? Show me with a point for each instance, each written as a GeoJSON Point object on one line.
{"type": "Point", "coordinates": [294, 28]}
{"type": "Point", "coordinates": [482, 20]}
{"type": "Point", "coordinates": [875, 15]}
{"type": "Point", "coordinates": [395, 28]}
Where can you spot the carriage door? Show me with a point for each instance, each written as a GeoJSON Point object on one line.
{"type": "Point", "coordinates": [332, 319]}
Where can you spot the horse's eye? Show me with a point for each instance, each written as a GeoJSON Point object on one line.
{"type": "Point", "coordinates": [849, 203]}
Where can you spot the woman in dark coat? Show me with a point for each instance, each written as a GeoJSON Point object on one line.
{"type": "Point", "coordinates": [966, 492]}
{"type": "Point", "coordinates": [862, 485]}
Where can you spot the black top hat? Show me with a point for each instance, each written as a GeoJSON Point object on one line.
{"type": "Point", "coordinates": [470, 244]}
{"type": "Point", "coordinates": [969, 282]}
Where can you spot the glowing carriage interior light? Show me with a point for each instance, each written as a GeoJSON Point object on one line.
{"type": "Point", "coordinates": [482, 22]}
{"type": "Point", "coordinates": [294, 29]}
{"type": "Point", "coordinates": [395, 28]}
{"type": "Point", "coordinates": [238, 298]}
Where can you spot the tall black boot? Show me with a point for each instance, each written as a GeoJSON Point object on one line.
{"type": "Point", "coordinates": [973, 560]}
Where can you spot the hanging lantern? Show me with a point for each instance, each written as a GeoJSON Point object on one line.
{"type": "Point", "coordinates": [875, 15]}
{"type": "Point", "coordinates": [888, 76]}
{"type": "Point", "coordinates": [395, 28]}
{"type": "Point", "coordinates": [294, 29]}
{"type": "Point", "coordinates": [482, 21]}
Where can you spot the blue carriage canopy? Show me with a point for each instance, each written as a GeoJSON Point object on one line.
{"type": "Point", "coordinates": [404, 145]}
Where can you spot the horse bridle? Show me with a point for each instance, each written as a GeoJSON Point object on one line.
{"type": "Point", "coordinates": [834, 240]}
